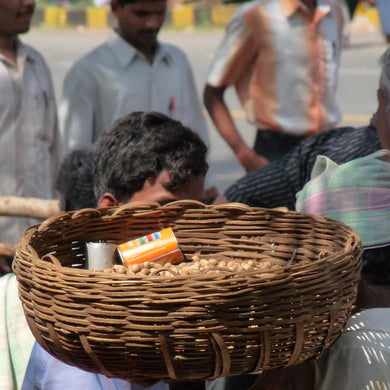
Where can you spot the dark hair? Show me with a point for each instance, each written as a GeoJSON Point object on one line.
{"type": "Point", "coordinates": [141, 145]}
{"type": "Point", "coordinates": [75, 180]}
{"type": "Point", "coordinates": [376, 265]}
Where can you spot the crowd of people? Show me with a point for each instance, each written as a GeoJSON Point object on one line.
{"type": "Point", "coordinates": [131, 126]}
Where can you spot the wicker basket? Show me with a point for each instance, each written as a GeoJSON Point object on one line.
{"type": "Point", "coordinates": [187, 328]}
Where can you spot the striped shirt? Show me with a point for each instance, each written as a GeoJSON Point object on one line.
{"type": "Point", "coordinates": [283, 60]}
{"type": "Point", "coordinates": [276, 184]}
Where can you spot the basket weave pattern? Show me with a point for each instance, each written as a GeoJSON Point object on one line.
{"type": "Point", "coordinates": [197, 327]}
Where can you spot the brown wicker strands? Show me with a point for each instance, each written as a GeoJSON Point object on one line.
{"type": "Point", "coordinates": [197, 327]}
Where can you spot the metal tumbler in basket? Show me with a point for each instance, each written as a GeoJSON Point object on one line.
{"type": "Point", "coordinates": [100, 255]}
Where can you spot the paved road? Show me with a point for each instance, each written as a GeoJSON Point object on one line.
{"type": "Point", "coordinates": [357, 88]}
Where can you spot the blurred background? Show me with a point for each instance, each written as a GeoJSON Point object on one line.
{"type": "Point", "coordinates": [65, 30]}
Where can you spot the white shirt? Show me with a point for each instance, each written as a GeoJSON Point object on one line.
{"type": "Point", "coordinates": [360, 358]}
{"type": "Point", "coordinates": [283, 63]}
{"type": "Point", "coordinates": [29, 152]}
{"type": "Point", "coordinates": [115, 79]}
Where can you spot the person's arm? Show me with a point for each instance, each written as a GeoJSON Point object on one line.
{"type": "Point", "coordinates": [276, 184]}
{"type": "Point", "coordinates": [231, 64]}
{"type": "Point", "coordinates": [55, 147]}
{"type": "Point", "coordinates": [223, 121]}
{"type": "Point", "coordinates": [51, 123]}
{"type": "Point", "coordinates": [55, 154]}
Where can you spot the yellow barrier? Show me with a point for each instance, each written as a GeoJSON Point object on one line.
{"type": "Point", "coordinates": [371, 13]}
{"type": "Point", "coordinates": [97, 17]}
{"type": "Point", "coordinates": [62, 17]}
{"type": "Point", "coordinates": [221, 14]}
{"type": "Point", "coordinates": [50, 16]}
{"type": "Point", "coordinates": [55, 16]}
{"type": "Point", "coordinates": [183, 16]}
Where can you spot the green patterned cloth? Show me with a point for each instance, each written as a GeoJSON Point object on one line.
{"type": "Point", "coordinates": [356, 193]}
{"type": "Point", "coordinates": [16, 339]}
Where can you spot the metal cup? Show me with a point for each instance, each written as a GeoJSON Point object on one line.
{"type": "Point", "coordinates": [100, 255]}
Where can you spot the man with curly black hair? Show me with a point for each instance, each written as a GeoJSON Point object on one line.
{"type": "Point", "coordinates": [143, 156]}
{"type": "Point", "coordinates": [147, 155]}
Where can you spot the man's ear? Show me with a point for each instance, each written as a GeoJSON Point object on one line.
{"type": "Point", "coordinates": [383, 98]}
{"type": "Point", "coordinates": [379, 94]}
{"type": "Point", "coordinates": [108, 200]}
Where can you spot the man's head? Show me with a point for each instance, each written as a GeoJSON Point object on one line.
{"type": "Point", "coordinates": [357, 193]}
{"type": "Point", "coordinates": [15, 16]}
{"type": "Point", "coordinates": [148, 156]}
{"type": "Point", "coordinates": [382, 116]}
{"type": "Point", "coordinates": [75, 180]}
{"type": "Point", "coordinates": [139, 21]}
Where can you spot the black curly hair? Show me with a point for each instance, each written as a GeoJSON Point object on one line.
{"type": "Point", "coordinates": [141, 145]}
{"type": "Point", "coordinates": [75, 180]}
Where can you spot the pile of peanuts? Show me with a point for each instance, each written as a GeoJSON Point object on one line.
{"type": "Point", "coordinates": [197, 266]}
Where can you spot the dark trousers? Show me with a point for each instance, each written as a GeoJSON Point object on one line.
{"type": "Point", "coordinates": [274, 144]}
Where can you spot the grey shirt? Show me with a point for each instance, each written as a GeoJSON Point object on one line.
{"type": "Point", "coordinates": [29, 152]}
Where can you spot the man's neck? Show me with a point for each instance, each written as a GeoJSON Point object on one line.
{"type": "Point", "coordinates": [148, 51]}
{"type": "Point", "coordinates": [8, 47]}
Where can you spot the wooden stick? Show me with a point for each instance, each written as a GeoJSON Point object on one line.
{"type": "Point", "coordinates": [28, 207]}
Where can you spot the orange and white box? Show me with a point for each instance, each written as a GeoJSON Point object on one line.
{"type": "Point", "coordinates": [158, 247]}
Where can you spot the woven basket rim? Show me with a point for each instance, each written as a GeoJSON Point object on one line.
{"type": "Point", "coordinates": [137, 209]}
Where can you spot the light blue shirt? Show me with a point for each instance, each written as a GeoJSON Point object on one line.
{"type": "Point", "coordinates": [44, 372]}
{"type": "Point", "coordinates": [115, 79]}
